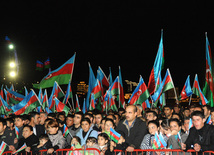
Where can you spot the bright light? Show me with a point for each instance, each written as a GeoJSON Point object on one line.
{"type": "Point", "coordinates": [12, 64]}
{"type": "Point", "coordinates": [11, 46]}
{"type": "Point", "coordinates": [12, 74]}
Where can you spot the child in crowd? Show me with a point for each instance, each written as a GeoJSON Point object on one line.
{"type": "Point", "coordinates": [165, 128]}
{"type": "Point", "coordinates": [91, 142]}
{"type": "Point", "coordinates": [76, 142]}
{"type": "Point", "coordinates": [103, 139]}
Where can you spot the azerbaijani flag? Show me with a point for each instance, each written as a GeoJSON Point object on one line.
{"type": "Point", "coordinates": [84, 108]}
{"type": "Point", "coordinates": [209, 121]}
{"type": "Point", "coordinates": [115, 87]}
{"type": "Point", "coordinates": [97, 90]}
{"type": "Point", "coordinates": [190, 123]}
{"type": "Point", "coordinates": [17, 131]}
{"type": "Point", "coordinates": [115, 136]}
{"type": "Point", "coordinates": [162, 141]}
{"type": "Point", "coordinates": [197, 91]}
{"type": "Point", "coordinates": [39, 65]}
{"type": "Point", "coordinates": [68, 93]}
{"type": "Point", "coordinates": [156, 144]}
{"type": "Point", "coordinates": [157, 67]}
{"type": "Point", "coordinates": [77, 104]}
{"type": "Point", "coordinates": [187, 90]}
{"type": "Point", "coordinates": [2, 147]}
{"type": "Point", "coordinates": [20, 149]}
{"type": "Point", "coordinates": [121, 91]}
{"type": "Point", "coordinates": [29, 103]}
{"type": "Point", "coordinates": [102, 77]}
{"type": "Point", "coordinates": [62, 75]}
{"type": "Point", "coordinates": [47, 63]}
{"type": "Point", "coordinates": [61, 106]}
{"type": "Point", "coordinates": [140, 94]}
{"type": "Point", "coordinates": [208, 89]}
{"type": "Point", "coordinates": [65, 131]}
{"type": "Point", "coordinates": [166, 84]}
{"type": "Point", "coordinates": [92, 103]}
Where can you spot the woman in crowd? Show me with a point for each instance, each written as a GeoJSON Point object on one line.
{"type": "Point", "coordinates": [109, 124]}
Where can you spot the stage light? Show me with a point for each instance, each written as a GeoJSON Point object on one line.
{"type": "Point", "coordinates": [12, 64]}
{"type": "Point", "coordinates": [12, 74]}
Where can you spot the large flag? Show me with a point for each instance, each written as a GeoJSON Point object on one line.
{"type": "Point", "coordinates": [166, 84]}
{"type": "Point", "coordinates": [91, 83]}
{"type": "Point", "coordinates": [61, 106]}
{"type": "Point", "coordinates": [97, 90]}
{"type": "Point", "coordinates": [187, 90]}
{"type": "Point", "coordinates": [140, 93]}
{"type": "Point", "coordinates": [197, 91]}
{"type": "Point", "coordinates": [29, 103]}
{"type": "Point", "coordinates": [39, 65]}
{"type": "Point", "coordinates": [208, 89]}
{"type": "Point", "coordinates": [62, 75]}
{"type": "Point", "coordinates": [110, 77]}
{"type": "Point", "coordinates": [102, 77]}
{"type": "Point", "coordinates": [157, 67]}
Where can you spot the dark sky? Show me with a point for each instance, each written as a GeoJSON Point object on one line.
{"type": "Point", "coordinates": [108, 33]}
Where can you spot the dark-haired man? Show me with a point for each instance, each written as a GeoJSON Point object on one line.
{"type": "Point", "coordinates": [201, 135]}
{"type": "Point", "coordinates": [168, 110]}
{"type": "Point", "coordinates": [133, 128]}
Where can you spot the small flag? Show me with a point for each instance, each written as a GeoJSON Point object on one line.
{"type": "Point", "coordinates": [2, 147]}
{"type": "Point", "coordinates": [20, 149]}
{"type": "Point", "coordinates": [190, 123]}
{"type": "Point", "coordinates": [39, 65]}
{"type": "Point", "coordinates": [47, 63]}
{"type": "Point", "coordinates": [115, 136]}
{"type": "Point", "coordinates": [187, 90]}
{"type": "Point", "coordinates": [17, 131]}
{"type": "Point", "coordinates": [209, 121]}
{"type": "Point", "coordinates": [65, 131]}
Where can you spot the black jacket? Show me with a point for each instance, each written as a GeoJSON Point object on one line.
{"type": "Point", "coordinates": [8, 137]}
{"type": "Point", "coordinates": [204, 137]}
{"type": "Point", "coordinates": [40, 130]}
{"type": "Point", "coordinates": [135, 134]}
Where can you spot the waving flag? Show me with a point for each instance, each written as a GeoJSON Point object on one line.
{"type": "Point", "coordinates": [20, 149]}
{"type": "Point", "coordinates": [65, 131]}
{"type": "Point", "coordinates": [209, 121]}
{"type": "Point", "coordinates": [208, 89]}
{"type": "Point", "coordinates": [91, 84]}
{"type": "Point", "coordinates": [97, 90]}
{"type": "Point", "coordinates": [2, 147]}
{"type": "Point", "coordinates": [17, 131]}
{"type": "Point", "coordinates": [110, 77]}
{"type": "Point", "coordinates": [187, 90]}
{"type": "Point", "coordinates": [68, 94]}
{"type": "Point", "coordinates": [14, 95]}
{"type": "Point", "coordinates": [115, 136]}
{"type": "Point", "coordinates": [61, 106]}
{"type": "Point", "coordinates": [47, 63]}
{"type": "Point", "coordinates": [39, 65]}
{"type": "Point", "coordinates": [157, 67]}
{"type": "Point", "coordinates": [190, 123]}
{"type": "Point", "coordinates": [45, 100]}
{"type": "Point", "coordinates": [140, 93]}
{"type": "Point", "coordinates": [62, 75]}
{"type": "Point", "coordinates": [77, 104]}
{"type": "Point", "coordinates": [102, 77]}
{"type": "Point", "coordinates": [92, 103]}
{"type": "Point", "coordinates": [84, 108]}
{"type": "Point", "coordinates": [197, 91]}
{"type": "Point", "coordinates": [29, 103]}
{"type": "Point", "coordinates": [166, 84]}
{"type": "Point", "coordinates": [121, 91]}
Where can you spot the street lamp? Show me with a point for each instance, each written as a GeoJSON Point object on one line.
{"type": "Point", "coordinates": [12, 64]}
{"type": "Point", "coordinates": [11, 46]}
{"type": "Point", "coordinates": [12, 74]}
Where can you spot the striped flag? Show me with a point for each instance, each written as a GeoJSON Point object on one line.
{"type": "Point", "coordinates": [209, 121]}
{"type": "Point", "coordinates": [20, 149]}
{"type": "Point", "coordinates": [2, 147]}
{"type": "Point", "coordinates": [17, 131]}
{"type": "Point", "coordinates": [65, 131]}
{"type": "Point", "coordinates": [115, 136]}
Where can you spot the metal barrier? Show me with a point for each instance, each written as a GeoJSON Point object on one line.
{"type": "Point", "coordinates": [162, 152]}
{"type": "Point", "coordinates": [88, 151]}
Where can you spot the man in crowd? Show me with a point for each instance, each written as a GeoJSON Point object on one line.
{"type": "Point", "coordinates": [168, 110]}
{"type": "Point", "coordinates": [35, 123]}
{"type": "Point", "coordinates": [133, 128]}
{"type": "Point", "coordinates": [207, 110]}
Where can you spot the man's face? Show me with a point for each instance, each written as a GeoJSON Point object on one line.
{"type": "Point", "coordinates": [43, 117]}
{"type": "Point", "coordinates": [177, 110]}
{"type": "Point", "coordinates": [69, 121]}
{"type": "Point", "coordinates": [26, 132]}
{"type": "Point", "coordinates": [130, 114]}
{"type": "Point", "coordinates": [186, 113]}
{"type": "Point", "coordinates": [98, 119]}
{"type": "Point", "coordinates": [149, 116]}
{"type": "Point", "coordinates": [186, 125]}
{"type": "Point", "coordinates": [19, 122]}
{"type": "Point", "coordinates": [37, 119]}
{"type": "Point", "coordinates": [77, 119]}
{"type": "Point", "coordinates": [168, 111]}
{"type": "Point", "coordinates": [206, 111]}
{"type": "Point", "coordinates": [212, 117]}
{"type": "Point", "coordinates": [139, 111]}
{"type": "Point", "coordinates": [198, 122]}
{"type": "Point", "coordinates": [62, 118]}
{"type": "Point", "coordinates": [2, 128]}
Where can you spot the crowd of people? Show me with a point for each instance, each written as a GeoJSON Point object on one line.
{"type": "Point", "coordinates": [42, 131]}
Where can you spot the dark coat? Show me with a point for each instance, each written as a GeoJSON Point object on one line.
{"type": "Point", "coordinates": [40, 130]}
{"type": "Point", "coordinates": [8, 137]}
{"type": "Point", "coordinates": [135, 134]}
{"type": "Point", "coordinates": [206, 139]}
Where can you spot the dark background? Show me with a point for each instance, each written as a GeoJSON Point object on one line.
{"type": "Point", "coordinates": [108, 33]}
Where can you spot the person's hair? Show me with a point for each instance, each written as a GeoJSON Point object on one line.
{"type": "Point", "coordinates": [104, 135]}
{"type": "Point", "coordinates": [199, 106]}
{"type": "Point", "coordinates": [78, 139]}
{"type": "Point", "coordinates": [90, 115]}
{"type": "Point", "coordinates": [3, 121]}
{"type": "Point", "coordinates": [153, 122]}
{"type": "Point", "coordinates": [53, 123]}
{"type": "Point", "coordinates": [28, 126]}
{"type": "Point", "coordinates": [61, 113]}
{"type": "Point", "coordinates": [99, 113]}
{"type": "Point", "coordinates": [109, 119]}
{"type": "Point", "coordinates": [26, 117]}
{"type": "Point", "coordinates": [165, 124]}
{"type": "Point", "coordinates": [86, 120]}
{"type": "Point", "coordinates": [186, 108]}
{"type": "Point", "coordinates": [114, 118]}
{"type": "Point", "coordinates": [44, 136]}
{"type": "Point", "coordinates": [121, 109]}
{"type": "Point", "coordinates": [175, 120]}
{"type": "Point", "coordinates": [70, 115]}
{"type": "Point", "coordinates": [118, 116]}
{"type": "Point", "coordinates": [44, 113]}
{"type": "Point", "coordinates": [153, 112]}
{"type": "Point", "coordinates": [10, 120]}
{"type": "Point", "coordinates": [48, 119]}
{"type": "Point", "coordinates": [168, 106]}
{"type": "Point", "coordinates": [208, 107]}
{"type": "Point", "coordinates": [198, 113]}
{"type": "Point", "coordinates": [186, 118]}
{"type": "Point", "coordinates": [139, 106]}
{"type": "Point", "coordinates": [212, 109]}
{"type": "Point", "coordinates": [52, 115]}
{"type": "Point", "coordinates": [33, 114]}
{"type": "Point", "coordinates": [19, 116]}
{"type": "Point", "coordinates": [91, 139]}
{"type": "Point", "coordinates": [79, 113]}
{"type": "Point", "coordinates": [180, 117]}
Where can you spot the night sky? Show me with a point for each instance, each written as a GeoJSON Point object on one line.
{"type": "Point", "coordinates": [108, 33]}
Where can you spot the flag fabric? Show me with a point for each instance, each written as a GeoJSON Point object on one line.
{"type": "Point", "coordinates": [77, 104]}
{"type": "Point", "coordinates": [121, 91]}
{"type": "Point", "coordinates": [62, 75]}
{"type": "Point", "coordinates": [45, 100]}
{"type": "Point", "coordinates": [29, 103]}
{"type": "Point", "coordinates": [84, 108]}
{"type": "Point", "coordinates": [17, 131]}
{"type": "Point", "coordinates": [40, 95]}
{"type": "Point", "coordinates": [92, 103]}
{"type": "Point", "coordinates": [159, 142]}
{"type": "Point", "coordinates": [187, 90]}
{"type": "Point", "coordinates": [156, 143]}
{"type": "Point", "coordinates": [91, 84]}
{"type": "Point", "coordinates": [39, 65]}
{"type": "Point", "coordinates": [115, 136]}
{"type": "Point", "coordinates": [47, 63]}
{"type": "Point", "coordinates": [157, 67]}
{"type": "Point", "coordinates": [114, 88]}
{"type": "Point", "coordinates": [61, 106]}
{"type": "Point", "coordinates": [209, 121]}
{"type": "Point", "coordinates": [14, 95]}
{"type": "Point", "coordinates": [24, 146]}
{"type": "Point", "coordinates": [166, 84]}
{"type": "Point", "coordinates": [102, 77]}
{"type": "Point", "coordinates": [208, 89]}
{"type": "Point", "coordinates": [197, 91]}
{"type": "Point", "coordinates": [97, 90]}
{"type": "Point", "coordinates": [190, 123]}
{"type": "Point", "coordinates": [110, 77]}
{"type": "Point", "coordinates": [65, 131]}
{"type": "Point", "coordinates": [140, 94]}
{"type": "Point", "coordinates": [26, 92]}
{"type": "Point", "coordinates": [162, 141]}
{"type": "Point", "coordinates": [68, 93]}
{"type": "Point", "coordinates": [2, 147]}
